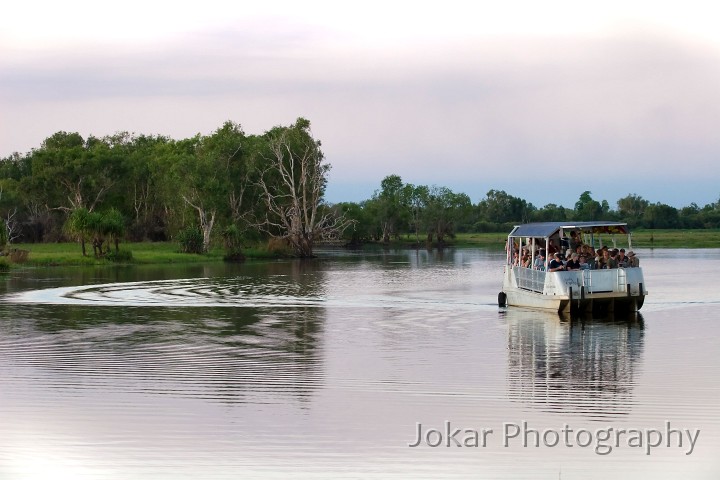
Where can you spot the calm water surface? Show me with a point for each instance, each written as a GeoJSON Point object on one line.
{"type": "Point", "coordinates": [324, 369]}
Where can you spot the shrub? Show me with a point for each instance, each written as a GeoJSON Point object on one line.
{"type": "Point", "coordinates": [17, 255]}
{"type": "Point", "coordinates": [4, 265]}
{"type": "Point", "coordinates": [279, 247]}
{"type": "Point", "coordinates": [232, 238]}
{"type": "Point", "coordinates": [120, 256]}
{"type": "Point", "coordinates": [191, 240]}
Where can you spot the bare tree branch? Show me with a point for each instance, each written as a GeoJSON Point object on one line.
{"type": "Point", "coordinates": [292, 187]}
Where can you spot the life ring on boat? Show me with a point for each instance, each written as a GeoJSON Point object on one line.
{"type": "Point", "coordinates": [502, 299]}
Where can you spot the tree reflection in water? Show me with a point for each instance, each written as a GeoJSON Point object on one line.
{"type": "Point", "coordinates": [233, 354]}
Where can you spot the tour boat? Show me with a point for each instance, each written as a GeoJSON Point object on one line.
{"type": "Point", "coordinates": [607, 290]}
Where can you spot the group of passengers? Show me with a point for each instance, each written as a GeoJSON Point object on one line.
{"type": "Point", "coordinates": [578, 257]}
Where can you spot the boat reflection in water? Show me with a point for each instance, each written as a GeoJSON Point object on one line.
{"type": "Point", "coordinates": [573, 365]}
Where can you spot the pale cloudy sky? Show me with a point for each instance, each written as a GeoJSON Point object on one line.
{"type": "Point", "coordinates": [541, 99]}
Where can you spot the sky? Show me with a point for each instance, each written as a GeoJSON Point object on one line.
{"type": "Point", "coordinates": [544, 100]}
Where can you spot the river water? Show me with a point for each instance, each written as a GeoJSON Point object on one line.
{"type": "Point", "coordinates": [328, 369]}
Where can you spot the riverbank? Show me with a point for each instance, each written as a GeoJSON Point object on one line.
{"type": "Point", "coordinates": [69, 254]}
{"type": "Point", "coordinates": [143, 253]}
{"type": "Point", "coordinates": [640, 239]}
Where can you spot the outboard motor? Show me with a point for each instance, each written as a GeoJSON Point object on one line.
{"type": "Point", "coordinates": [502, 299]}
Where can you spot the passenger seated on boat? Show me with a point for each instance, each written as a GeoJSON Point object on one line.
{"type": "Point", "coordinates": [584, 265]}
{"type": "Point", "coordinates": [599, 260]}
{"type": "Point", "coordinates": [573, 263]}
{"type": "Point", "coordinates": [622, 259]}
{"type": "Point", "coordinates": [526, 260]}
{"type": "Point", "coordinates": [540, 261]}
{"type": "Point", "coordinates": [612, 259]}
{"type": "Point", "coordinates": [590, 256]}
{"type": "Point", "coordinates": [633, 260]}
{"type": "Point", "coordinates": [556, 264]}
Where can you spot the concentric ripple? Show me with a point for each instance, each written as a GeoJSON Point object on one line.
{"type": "Point", "coordinates": [233, 292]}
{"type": "Point", "coordinates": [203, 292]}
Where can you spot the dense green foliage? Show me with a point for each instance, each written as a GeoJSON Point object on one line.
{"type": "Point", "coordinates": [233, 189]}
{"type": "Point", "coordinates": [126, 187]}
{"type": "Point", "coordinates": [191, 240]}
{"type": "Point", "coordinates": [434, 213]}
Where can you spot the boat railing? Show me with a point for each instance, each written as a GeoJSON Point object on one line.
{"type": "Point", "coordinates": [530, 279]}
{"type": "Point", "coordinates": [616, 280]}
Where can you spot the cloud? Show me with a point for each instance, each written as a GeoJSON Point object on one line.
{"type": "Point", "coordinates": [487, 108]}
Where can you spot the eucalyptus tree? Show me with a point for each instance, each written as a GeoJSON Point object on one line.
{"type": "Point", "coordinates": [417, 198]}
{"type": "Point", "coordinates": [197, 181]}
{"type": "Point", "coordinates": [500, 207]}
{"type": "Point", "coordinates": [588, 209]}
{"type": "Point", "coordinates": [392, 206]}
{"type": "Point", "coordinates": [660, 215]}
{"type": "Point", "coordinates": [443, 211]}
{"type": "Point", "coordinates": [79, 168]}
{"type": "Point", "coordinates": [292, 184]}
{"type": "Point", "coordinates": [213, 174]}
{"type": "Point", "coordinates": [142, 198]}
{"type": "Point", "coordinates": [9, 204]}
{"type": "Point", "coordinates": [362, 226]}
{"type": "Point", "coordinates": [631, 208]}
{"type": "Point", "coordinates": [550, 213]}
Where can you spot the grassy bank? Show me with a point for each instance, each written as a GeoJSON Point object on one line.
{"type": "Point", "coordinates": [676, 238]}
{"type": "Point", "coordinates": [51, 254]}
{"type": "Point", "coordinates": [640, 239]}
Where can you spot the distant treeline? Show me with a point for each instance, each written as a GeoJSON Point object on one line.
{"type": "Point", "coordinates": [233, 187]}
{"type": "Point", "coordinates": [431, 214]}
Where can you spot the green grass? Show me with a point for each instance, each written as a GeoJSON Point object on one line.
{"type": "Point", "coordinates": [709, 238]}
{"type": "Point", "coordinates": [51, 254]}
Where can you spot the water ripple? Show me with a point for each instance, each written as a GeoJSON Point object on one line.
{"type": "Point", "coordinates": [232, 292]}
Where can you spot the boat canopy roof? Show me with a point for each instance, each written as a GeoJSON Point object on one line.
{"type": "Point", "coordinates": [548, 229]}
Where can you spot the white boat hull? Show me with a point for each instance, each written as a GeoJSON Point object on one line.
{"type": "Point", "coordinates": [582, 291]}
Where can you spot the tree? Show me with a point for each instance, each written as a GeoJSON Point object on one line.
{"type": "Point", "coordinates": [588, 209]}
{"type": "Point", "coordinates": [292, 185]}
{"type": "Point", "coordinates": [83, 170]}
{"type": "Point", "coordinates": [442, 212]}
{"type": "Point", "coordinates": [78, 226]}
{"type": "Point", "coordinates": [631, 208]}
{"type": "Point", "coordinates": [362, 226]}
{"type": "Point", "coordinates": [660, 215]}
{"type": "Point", "coordinates": [551, 213]}
{"type": "Point", "coordinates": [392, 208]}
{"type": "Point", "coordinates": [417, 199]}
{"type": "Point", "coordinates": [198, 177]}
{"type": "Point", "coordinates": [499, 207]}
{"type": "Point", "coordinates": [9, 199]}
{"type": "Point", "coordinates": [113, 225]}
{"type": "Point", "coordinates": [143, 200]}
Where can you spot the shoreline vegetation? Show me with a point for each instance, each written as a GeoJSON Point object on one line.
{"type": "Point", "coordinates": [261, 196]}
{"type": "Point", "coordinates": [145, 253]}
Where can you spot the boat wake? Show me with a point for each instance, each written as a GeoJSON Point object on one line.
{"type": "Point", "coordinates": [211, 292]}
